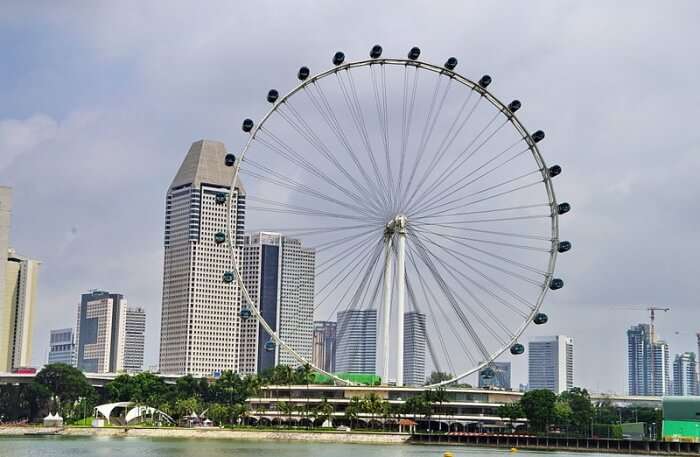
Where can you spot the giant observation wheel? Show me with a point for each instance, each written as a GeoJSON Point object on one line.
{"type": "Point", "coordinates": [427, 204]}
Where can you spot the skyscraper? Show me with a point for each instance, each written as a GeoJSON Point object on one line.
{"type": "Point", "coordinates": [501, 378]}
{"type": "Point", "coordinates": [639, 360]}
{"type": "Point", "coordinates": [661, 374]}
{"type": "Point", "coordinates": [17, 310]}
{"type": "Point", "coordinates": [551, 363]}
{"type": "Point", "coordinates": [62, 347]}
{"type": "Point", "coordinates": [357, 341]}
{"type": "Point", "coordinates": [101, 332]}
{"type": "Point", "coordinates": [135, 333]}
{"type": "Point", "coordinates": [414, 349]}
{"type": "Point", "coordinates": [685, 375]}
{"type": "Point", "coordinates": [200, 322]}
{"type": "Point", "coordinates": [324, 345]}
{"type": "Point", "coordinates": [279, 274]}
{"type": "Point", "coordinates": [648, 363]}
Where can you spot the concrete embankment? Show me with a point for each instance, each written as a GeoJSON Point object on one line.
{"type": "Point", "coordinates": [213, 433]}
{"type": "Point", "coordinates": [602, 445]}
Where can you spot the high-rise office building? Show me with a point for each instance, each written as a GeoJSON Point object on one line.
{"type": "Point", "coordinates": [101, 332]}
{"type": "Point", "coordinates": [500, 379]}
{"type": "Point", "coordinates": [200, 322]}
{"type": "Point", "coordinates": [135, 334]}
{"type": "Point", "coordinates": [648, 363]}
{"type": "Point", "coordinates": [551, 363]}
{"type": "Point", "coordinates": [324, 345]}
{"type": "Point", "coordinates": [62, 347]}
{"type": "Point", "coordinates": [685, 375]}
{"type": "Point", "coordinates": [356, 350]}
{"type": "Point", "coordinates": [17, 310]}
{"type": "Point", "coordinates": [279, 274]}
{"type": "Point", "coordinates": [414, 345]}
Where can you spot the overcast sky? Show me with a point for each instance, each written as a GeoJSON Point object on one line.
{"type": "Point", "coordinates": [100, 101]}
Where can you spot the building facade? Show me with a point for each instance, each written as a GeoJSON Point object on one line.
{"type": "Point", "coordinates": [324, 345]}
{"type": "Point", "coordinates": [5, 216]}
{"type": "Point", "coordinates": [101, 332]}
{"type": "Point", "coordinates": [685, 374]}
{"type": "Point", "coordinates": [551, 363]}
{"type": "Point", "coordinates": [279, 275]}
{"type": "Point", "coordinates": [62, 347]}
{"type": "Point", "coordinates": [200, 321]}
{"type": "Point", "coordinates": [648, 363]}
{"type": "Point", "coordinates": [414, 346]}
{"type": "Point", "coordinates": [501, 378]}
{"type": "Point", "coordinates": [135, 334]}
{"type": "Point", "coordinates": [17, 307]}
{"type": "Point", "coordinates": [356, 350]}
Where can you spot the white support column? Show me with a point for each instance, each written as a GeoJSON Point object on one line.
{"type": "Point", "coordinates": [401, 301]}
{"type": "Point", "coordinates": [386, 309]}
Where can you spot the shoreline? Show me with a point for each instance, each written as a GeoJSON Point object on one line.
{"type": "Point", "coordinates": [330, 436]}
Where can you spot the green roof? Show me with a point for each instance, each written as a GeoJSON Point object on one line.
{"type": "Point", "coordinates": [368, 379]}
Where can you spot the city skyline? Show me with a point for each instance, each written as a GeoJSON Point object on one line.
{"type": "Point", "coordinates": [63, 125]}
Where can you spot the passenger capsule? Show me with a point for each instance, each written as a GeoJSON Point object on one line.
{"type": "Point", "coordinates": [514, 106]}
{"type": "Point", "coordinates": [220, 198]}
{"type": "Point", "coordinates": [220, 237]}
{"type": "Point", "coordinates": [304, 73]}
{"type": "Point", "coordinates": [246, 313]}
{"type": "Point", "coordinates": [228, 277]}
{"type": "Point", "coordinates": [229, 160]}
{"type": "Point", "coordinates": [485, 81]}
{"type": "Point", "coordinates": [554, 170]}
{"type": "Point", "coordinates": [338, 58]}
{"type": "Point", "coordinates": [517, 349]}
{"type": "Point", "coordinates": [451, 63]}
{"type": "Point", "coordinates": [540, 318]}
{"type": "Point", "coordinates": [269, 345]}
{"type": "Point", "coordinates": [272, 96]}
{"type": "Point", "coordinates": [488, 373]}
{"type": "Point", "coordinates": [564, 246]}
{"type": "Point", "coordinates": [247, 125]}
{"type": "Point", "coordinates": [414, 53]}
{"type": "Point", "coordinates": [538, 136]}
{"type": "Point", "coordinates": [375, 52]}
{"type": "Point", "coordinates": [563, 208]}
{"type": "Point", "coordinates": [556, 284]}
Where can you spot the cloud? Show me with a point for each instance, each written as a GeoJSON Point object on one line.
{"type": "Point", "coordinates": [19, 136]}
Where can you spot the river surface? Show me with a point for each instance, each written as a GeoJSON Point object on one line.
{"type": "Point", "coordinates": [49, 446]}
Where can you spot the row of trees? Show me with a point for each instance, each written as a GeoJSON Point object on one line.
{"type": "Point", "coordinates": [64, 389]}
{"type": "Point", "coordinates": [572, 412]}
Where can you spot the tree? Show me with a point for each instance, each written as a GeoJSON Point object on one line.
{"type": "Point", "coordinates": [538, 406]}
{"type": "Point", "coordinates": [510, 411]}
{"type": "Point", "coordinates": [64, 381]}
{"type": "Point", "coordinates": [581, 407]}
{"type": "Point", "coordinates": [186, 406]}
{"type": "Point", "coordinates": [438, 376]}
{"type": "Point", "coordinates": [325, 410]}
{"type": "Point", "coordinates": [353, 410]}
{"type": "Point", "coordinates": [562, 413]}
{"type": "Point", "coordinates": [219, 413]}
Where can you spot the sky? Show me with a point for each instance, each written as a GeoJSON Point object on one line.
{"type": "Point", "coordinates": [99, 102]}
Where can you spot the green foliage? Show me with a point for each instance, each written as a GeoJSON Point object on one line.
{"type": "Point", "coordinates": [438, 376]}
{"type": "Point", "coordinates": [219, 413]}
{"type": "Point", "coordinates": [562, 413]}
{"type": "Point", "coordinates": [511, 411]}
{"type": "Point", "coordinates": [65, 382]}
{"type": "Point", "coordinates": [538, 406]}
{"type": "Point", "coordinates": [581, 407]}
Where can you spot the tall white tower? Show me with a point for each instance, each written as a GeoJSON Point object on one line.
{"type": "Point", "coordinates": [200, 320]}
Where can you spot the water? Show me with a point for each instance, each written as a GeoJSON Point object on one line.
{"type": "Point", "coordinates": [49, 446]}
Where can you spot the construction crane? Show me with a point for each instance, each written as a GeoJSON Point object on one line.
{"type": "Point", "coordinates": [652, 310]}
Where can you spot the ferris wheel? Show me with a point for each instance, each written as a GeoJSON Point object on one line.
{"type": "Point", "coordinates": [420, 192]}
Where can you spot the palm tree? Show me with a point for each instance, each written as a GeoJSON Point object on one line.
{"type": "Point", "coordinates": [325, 410]}
{"type": "Point", "coordinates": [353, 409]}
